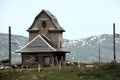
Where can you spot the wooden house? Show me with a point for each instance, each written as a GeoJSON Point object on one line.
{"type": "Point", "coordinates": [45, 42]}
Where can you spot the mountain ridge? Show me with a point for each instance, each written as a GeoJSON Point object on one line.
{"type": "Point", "coordinates": [85, 49]}
{"type": "Point", "coordinates": [90, 47]}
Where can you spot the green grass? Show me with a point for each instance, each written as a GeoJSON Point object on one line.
{"type": "Point", "coordinates": [100, 72]}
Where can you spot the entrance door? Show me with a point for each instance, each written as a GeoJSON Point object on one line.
{"type": "Point", "coordinates": [47, 60]}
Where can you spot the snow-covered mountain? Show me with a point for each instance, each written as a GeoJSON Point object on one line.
{"type": "Point", "coordinates": [86, 49]}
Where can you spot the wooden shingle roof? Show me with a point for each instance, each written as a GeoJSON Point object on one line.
{"type": "Point", "coordinates": [40, 44]}
{"type": "Point", "coordinates": [52, 17]}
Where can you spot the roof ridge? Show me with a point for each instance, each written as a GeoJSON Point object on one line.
{"type": "Point", "coordinates": [27, 43]}
{"type": "Point", "coordinates": [53, 44]}
{"type": "Point", "coordinates": [47, 43]}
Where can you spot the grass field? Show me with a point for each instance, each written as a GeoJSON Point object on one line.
{"type": "Point", "coordinates": [100, 72]}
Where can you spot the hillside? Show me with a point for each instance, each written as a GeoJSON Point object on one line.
{"type": "Point", "coordinates": [17, 43]}
{"type": "Point", "coordinates": [88, 49]}
{"type": "Point", "coordinates": [84, 49]}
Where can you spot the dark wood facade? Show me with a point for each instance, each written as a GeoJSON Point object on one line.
{"type": "Point", "coordinates": [45, 42]}
{"type": "Point", "coordinates": [44, 59]}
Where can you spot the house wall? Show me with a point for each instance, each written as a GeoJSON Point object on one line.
{"type": "Point", "coordinates": [56, 37]}
{"type": "Point", "coordinates": [32, 35]}
{"type": "Point", "coordinates": [44, 59]}
{"type": "Point", "coordinates": [50, 31]}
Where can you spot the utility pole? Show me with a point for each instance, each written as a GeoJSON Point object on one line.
{"type": "Point", "coordinates": [114, 47]}
{"type": "Point", "coordinates": [9, 46]}
{"type": "Point", "coordinates": [99, 49]}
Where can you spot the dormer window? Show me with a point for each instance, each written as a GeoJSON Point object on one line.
{"type": "Point", "coordinates": [43, 24]}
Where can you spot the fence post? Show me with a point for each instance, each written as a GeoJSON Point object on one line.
{"type": "Point", "coordinates": [60, 64]}
{"type": "Point", "coordinates": [78, 64]}
{"type": "Point", "coordinates": [21, 68]}
{"type": "Point", "coordinates": [39, 67]}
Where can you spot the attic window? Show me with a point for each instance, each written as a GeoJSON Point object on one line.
{"type": "Point", "coordinates": [43, 24]}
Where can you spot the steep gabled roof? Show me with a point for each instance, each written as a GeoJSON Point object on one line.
{"type": "Point", "coordinates": [39, 44]}
{"type": "Point", "coordinates": [52, 17]}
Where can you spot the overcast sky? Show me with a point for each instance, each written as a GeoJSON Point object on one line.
{"type": "Point", "coordinates": [80, 18]}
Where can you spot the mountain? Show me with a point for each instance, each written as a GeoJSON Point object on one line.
{"type": "Point", "coordinates": [86, 49]}
{"type": "Point", "coordinates": [17, 42]}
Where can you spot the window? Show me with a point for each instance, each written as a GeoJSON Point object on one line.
{"type": "Point", "coordinates": [43, 24]}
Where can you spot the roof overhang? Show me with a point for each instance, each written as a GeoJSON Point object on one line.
{"type": "Point", "coordinates": [45, 52]}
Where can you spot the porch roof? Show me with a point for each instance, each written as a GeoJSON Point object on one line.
{"type": "Point", "coordinates": [40, 44]}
